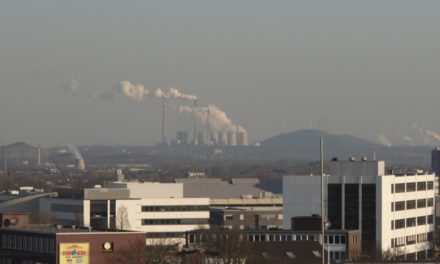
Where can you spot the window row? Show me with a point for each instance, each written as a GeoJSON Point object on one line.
{"type": "Point", "coordinates": [412, 204]}
{"type": "Point", "coordinates": [27, 243]}
{"type": "Point", "coordinates": [412, 239]}
{"type": "Point", "coordinates": [68, 208]}
{"type": "Point", "coordinates": [184, 221]}
{"type": "Point", "coordinates": [411, 222]}
{"type": "Point", "coordinates": [175, 208]}
{"type": "Point", "coordinates": [412, 187]}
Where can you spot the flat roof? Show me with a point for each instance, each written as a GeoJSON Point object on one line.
{"type": "Point", "coordinates": [51, 229]}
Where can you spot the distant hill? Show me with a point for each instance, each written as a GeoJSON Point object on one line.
{"type": "Point", "coordinates": [304, 145]}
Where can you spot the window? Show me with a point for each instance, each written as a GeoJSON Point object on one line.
{"type": "Point", "coordinates": [422, 238]}
{"type": "Point", "coordinates": [392, 206]}
{"type": "Point", "coordinates": [410, 222]}
{"type": "Point", "coordinates": [229, 217]}
{"type": "Point", "coordinates": [421, 220]}
{"type": "Point", "coordinates": [241, 216]}
{"type": "Point", "coordinates": [343, 239]}
{"type": "Point", "coordinates": [430, 219]}
{"type": "Point", "coordinates": [421, 203]}
{"type": "Point", "coordinates": [421, 186]}
{"type": "Point", "coordinates": [411, 204]}
{"type": "Point", "coordinates": [336, 239]}
{"type": "Point", "coordinates": [410, 240]}
{"type": "Point", "coordinates": [411, 187]}
{"type": "Point", "coordinates": [400, 241]}
{"type": "Point", "coordinates": [400, 188]}
{"type": "Point", "coordinates": [399, 224]}
{"type": "Point", "coordinates": [430, 202]}
{"type": "Point", "coordinates": [430, 185]}
{"type": "Point", "coordinates": [399, 206]}
{"type": "Point", "coordinates": [392, 225]}
{"type": "Point", "coordinates": [330, 239]}
{"type": "Point", "coordinates": [392, 188]}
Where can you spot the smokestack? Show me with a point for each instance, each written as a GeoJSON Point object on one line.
{"type": "Point", "coordinates": [164, 138]}
{"type": "Point", "coordinates": [195, 121]}
{"type": "Point", "coordinates": [39, 156]}
{"type": "Point", "coordinates": [208, 133]}
{"type": "Point", "coordinates": [80, 164]}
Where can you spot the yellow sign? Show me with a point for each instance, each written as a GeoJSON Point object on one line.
{"type": "Point", "coordinates": [74, 253]}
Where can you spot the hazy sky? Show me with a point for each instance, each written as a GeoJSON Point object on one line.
{"type": "Point", "coordinates": [368, 68]}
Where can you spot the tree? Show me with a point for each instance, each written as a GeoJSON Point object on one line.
{"type": "Point", "coordinates": [122, 222]}
{"type": "Point", "coordinates": [225, 247]}
{"type": "Point", "coordinates": [134, 253]}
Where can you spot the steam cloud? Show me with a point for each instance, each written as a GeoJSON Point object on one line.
{"type": "Point", "coordinates": [384, 140]}
{"type": "Point", "coordinates": [75, 151]}
{"type": "Point", "coordinates": [71, 87]}
{"type": "Point", "coordinates": [139, 93]}
{"type": "Point", "coordinates": [218, 119]}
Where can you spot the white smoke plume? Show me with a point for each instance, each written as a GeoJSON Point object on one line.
{"type": "Point", "coordinates": [134, 91]}
{"type": "Point", "coordinates": [71, 87]}
{"type": "Point", "coordinates": [384, 140]}
{"type": "Point", "coordinates": [425, 136]}
{"type": "Point", "coordinates": [75, 151]}
{"type": "Point", "coordinates": [218, 119]}
{"type": "Point", "coordinates": [139, 93]}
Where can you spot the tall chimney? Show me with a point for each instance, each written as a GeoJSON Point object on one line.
{"type": "Point", "coordinates": [164, 138]}
{"type": "Point", "coordinates": [208, 133]}
{"type": "Point", "coordinates": [195, 121]}
{"type": "Point", "coordinates": [39, 156]}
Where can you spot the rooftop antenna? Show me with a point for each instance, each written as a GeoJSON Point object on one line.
{"type": "Point", "coordinates": [374, 155]}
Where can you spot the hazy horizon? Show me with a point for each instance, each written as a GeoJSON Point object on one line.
{"type": "Point", "coordinates": [367, 69]}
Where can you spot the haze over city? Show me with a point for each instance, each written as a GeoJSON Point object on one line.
{"type": "Point", "coordinates": [367, 68]}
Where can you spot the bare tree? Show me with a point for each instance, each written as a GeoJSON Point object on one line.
{"type": "Point", "coordinates": [122, 222]}
{"type": "Point", "coordinates": [137, 252]}
{"type": "Point", "coordinates": [134, 253]}
{"type": "Point", "coordinates": [225, 247]}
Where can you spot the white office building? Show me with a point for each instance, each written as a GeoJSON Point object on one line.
{"type": "Point", "coordinates": [165, 217]}
{"type": "Point", "coordinates": [394, 212]}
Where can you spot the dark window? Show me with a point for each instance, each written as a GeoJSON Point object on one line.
{"type": "Point", "coordinates": [430, 219]}
{"type": "Point", "coordinates": [430, 202]}
{"type": "Point", "coordinates": [411, 204]}
{"type": "Point", "coordinates": [430, 185]}
{"type": "Point", "coordinates": [352, 206]}
{"type": "Point", "coordinates": [421, 203]}
{"type": "Point", "coordinates": [421, 186]}
{"type": "Point", "coordinates": [411, 222]}
{"type": "Point", "coordinates": [399, 224]}
{"type": "Point", "coordinates": [421, 220]}
{"type": "Point", "coordinates": [411, 187]}
{"type": "Point", "coordinates": [336, 239]}
{"type": "Point", "coordinates": [392, 188]}
{"type": "Point", "coordinates": [334, 205]}
{"type": "Point", "coordinates": [399, 206]}
{"type": "Point", "coordinates": [176, 208]}
{"type": "Point", "coordinates": [392, 206]}
{"type": "Point", "coordinates": [343, 239]}
{"type": "Point", "coordinates": [400, 187]}
{"type": "Point", "coordinates": [184, 221]}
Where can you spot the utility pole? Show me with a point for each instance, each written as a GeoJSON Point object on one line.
{"type": "Point", "coordinates": [322, 198]}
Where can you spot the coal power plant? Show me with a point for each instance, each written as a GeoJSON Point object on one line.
{"type": "Point", "coordinates": [205, 125]}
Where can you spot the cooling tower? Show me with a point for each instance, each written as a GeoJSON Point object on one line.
{"type": "Point", "coordinates": [242, 139]}
{"type": "Point", "coordinates": [222, 138]}
{"type": "Point", "coordinates": [232, 139]}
